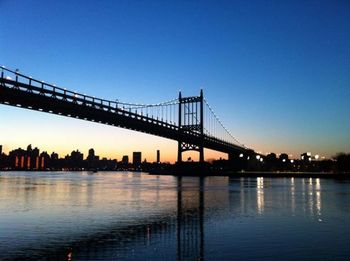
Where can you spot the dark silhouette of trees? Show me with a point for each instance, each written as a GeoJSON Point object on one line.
{"type": "Point", "coordinates": [271, 162]}
{"type": "Point", "coordinates": [342, 162]}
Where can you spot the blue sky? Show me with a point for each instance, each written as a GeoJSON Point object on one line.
{"type": "Point", "coordinates": [277, 72]}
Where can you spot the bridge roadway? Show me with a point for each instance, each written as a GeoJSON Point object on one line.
{"type": "Point", "coordinates": [39, 96]}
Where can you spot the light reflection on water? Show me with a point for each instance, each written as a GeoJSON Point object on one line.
{"type": "Point", "coordinates": [134, 216]}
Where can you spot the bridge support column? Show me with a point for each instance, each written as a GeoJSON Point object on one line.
{"type": "Point", "coordinates": [179, 149]}
{"type": "Point", "coordinates": [201, 154]}
{"type": "Point", "coordinates": [191, 120]}
{"type": "Point", "coordinates": [201, 127]}
{"type": "Point", "coordinates": [179, 152]}
{"type": "Point", "coordinates": [183, 146]}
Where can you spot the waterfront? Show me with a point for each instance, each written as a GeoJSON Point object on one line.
{"type": "Point", "coordinates": [135, 216]}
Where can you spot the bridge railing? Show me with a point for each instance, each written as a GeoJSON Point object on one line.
{"type": "Point", "coordinates": [51, 88]}
{"type": "Point", "coordinates": [30, 85]}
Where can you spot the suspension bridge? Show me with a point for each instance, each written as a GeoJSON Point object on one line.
{"type": "Point", "coordinates": [190, 121]}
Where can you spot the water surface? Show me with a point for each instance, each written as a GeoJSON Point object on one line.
{"type": "Point", "coordinates": [135, 216]}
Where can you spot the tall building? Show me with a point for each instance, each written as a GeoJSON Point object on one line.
{"type": "Point", "coordinates": [76, 159]}
{"type": "Point", "coordinates": [158, 156]}
{"type": "Point", "coordinates": [91, 155]}
{"type": "Point", "coordinates": [136, 158]}
{"type": "Point", "coordinates": [125, 160]}
{"type": "Point", "coordinates": [0, 150]}
{"type": "Point", "coordinates": [92, 159]}
{"type": "Point", "coordinates": [32, 156]}
{"type": "Point", "coordinates": [44, 160]}
{"type": "Point", "coordinates": [54, 156]}
{"type": "Point", "coordinates": [77, 156]}
{"type": "Point", "coordinates": [16, 158]}
{"type": "Point", "coordinates": [54, 161]}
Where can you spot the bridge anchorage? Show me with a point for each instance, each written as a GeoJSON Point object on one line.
{"type": "Point", "coordinates": [188, 120]}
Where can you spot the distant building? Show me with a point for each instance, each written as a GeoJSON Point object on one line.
{"type": "Point", "coordinates": [17, 158]}
{"type": "Point", "coordinates": [136, 158]}
{"type": "Point", "coordinates": [0, 150]}
{"type": "Point", "coordinates": [44, 160]}
{"type": "Point", "coordinates": [32, 158]}
{"type": "Point", "coordinates": [91, 155]}
{"type": "Point", "coordinates": [23, 159]}
{"type": "Point", "coordinates": [125, 160]}
{"type": "Point", "coordinates": [54, 162]}
{"type": "Point", "coordinates": [54, 156]}
{"type": "Point", "coordinates": [92, 159]}
{"type": "Point", "coordinates": [77, 156]}
{"type": "Point", "coordinates": [75, 160]}
{"type": "Point", "coordinates": [158, 156]}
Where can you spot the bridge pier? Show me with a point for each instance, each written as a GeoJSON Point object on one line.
{"type": "Point", "coordinates": [179, 152]}
{"type": "Point", "coordinates": [183, 146]}
{"type": "Point", "coordinates": [201, 154]}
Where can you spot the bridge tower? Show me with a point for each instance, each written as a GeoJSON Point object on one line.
{"type": "Point", "coordinates": [191, 118]}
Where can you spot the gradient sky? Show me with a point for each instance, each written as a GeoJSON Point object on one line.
{"type": "Point", "coordinates": [277, 72]}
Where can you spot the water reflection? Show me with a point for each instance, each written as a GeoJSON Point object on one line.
{"type": "Point", "coordinates": [292, 195]}
{"type": "Point", "coordinates": [311, 191]}
{"type": "Point", "coordinates": [260, 195]}
{"type": "Point", "coordinates": [136, 216]}
{"type": "Point", "coordinates": [190, 226]}
{"type": "Point", "coordinates": [318, 199]}
{"type": "Point", "coordinates": [287, 193]}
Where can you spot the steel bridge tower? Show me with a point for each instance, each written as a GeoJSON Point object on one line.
{"type": "Point", "coordinates": [191, 118]}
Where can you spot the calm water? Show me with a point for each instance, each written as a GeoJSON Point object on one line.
{"type": "Point", "coordinates": [134, 216]}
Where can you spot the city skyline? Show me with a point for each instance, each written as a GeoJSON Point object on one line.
{"type": "Point", "coordinates": [33, 159]}
{"type": "Point", "coordinates": [273, 99]}
{"type": "Point", "coordinates": [85, 154]}
{"type": "Point", "coordinates": [141, 158]}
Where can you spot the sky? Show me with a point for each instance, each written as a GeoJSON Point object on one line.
{"type": "Point", "coordinates": [276, 72]}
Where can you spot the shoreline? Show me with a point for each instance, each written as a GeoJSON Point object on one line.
{"type": "Point", "coordinates": [289, 174]}
{"type": "Point", "coordinates": [261, 174]}
{"type": "Point", "coordinates": [240, 174]}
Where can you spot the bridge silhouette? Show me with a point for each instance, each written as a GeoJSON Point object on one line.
{"type": "Point", "coordinates": [189, 120]}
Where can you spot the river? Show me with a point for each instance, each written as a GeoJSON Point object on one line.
{"type": "Point", "coordinates": [136, 216]}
